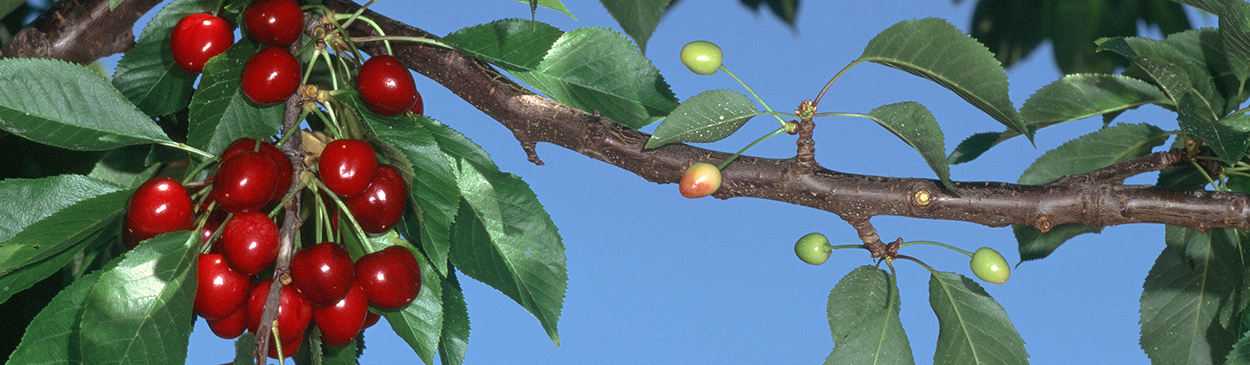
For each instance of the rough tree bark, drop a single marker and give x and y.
(1094, 199)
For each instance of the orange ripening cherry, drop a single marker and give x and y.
(700, 180)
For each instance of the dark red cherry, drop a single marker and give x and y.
(270, 76)
(289, 348)
(230, 326)
(391, 277)
(274, 22)
(294, 313)
(347, 166)
(219, 290)
(245, 182)
(342, 321)
(370, 320)
(386, 86)
(419, 107)
(197, 38)
(279, 160)
(249, 242)
(383, 202)
(322, 273)
(160, 205)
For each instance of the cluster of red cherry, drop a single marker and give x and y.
(326, 288)
(273, 74)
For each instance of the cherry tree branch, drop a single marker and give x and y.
(80, 31)
(1093, 200)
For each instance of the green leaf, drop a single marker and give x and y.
(140, 311)
(637, 18)
(26, 201)
(550, 4)
(913, 123)
(973, 146)
(513, 44)
(338, 355)
(1193, 116)
(708, 117)
(125, 167)
(1188, 299)
(787, 10)
(44, 247)
(432, 187)
(972, 327)
(598, 69)
(420, 324)
(1210, 6)
(1171, 68)
(147, 74)
(934, 49)
(1093, 151)
(1235, 36)
(220, 113)
(503, 238)
(1081, 96)
(52, 336)
(455, 337)
(243, 347)
(864, 319)
(70, 106)
(1036, 245)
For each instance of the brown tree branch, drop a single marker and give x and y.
(80, 31)
(853, 197)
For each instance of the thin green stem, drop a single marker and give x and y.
(357, 13)
(425, 40)
(378, 29)
(753, 94)
(843, 247)
(830, 83)
(939, 244)
(744, 149)
(185, 147)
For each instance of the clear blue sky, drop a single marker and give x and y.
(655, 278)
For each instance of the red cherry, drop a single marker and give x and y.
(347, 166)
(160, 205)
(391, 277)
(197, 38)
(211, 225)
(249, 242)
(341, 322)
(230, 326)
(289, 348)
(270, 76)
(294, 312)
(274, 22)
(383, 202)
(386, 85)
(419, 107)
(220, 290)
(245, 182)
(322, 273)
(279, 159)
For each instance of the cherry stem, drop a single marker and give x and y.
(185, 147)
(424, 40)
(357, 14)
(816, 101)
(744, 149)
(753, 94)
(939, 244)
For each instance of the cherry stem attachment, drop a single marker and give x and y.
(753, 94)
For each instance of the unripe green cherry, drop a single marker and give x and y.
(813, 248)
(701, 57)
(990, 266)
(700, 180)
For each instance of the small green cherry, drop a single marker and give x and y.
(813, 248)
(990, 266)
(702, 57)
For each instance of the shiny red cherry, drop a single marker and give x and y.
(274, 22)
(294, 313)
(245, 182)
(197, 38)
(391, 277)
(342, 321)
(347, 166)
(383, 202)
(219, 290)
(279, 159)
(386, 86)
(249, 242)
(322, 273)
(230, 326)
(270, 76)
(160, 205)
